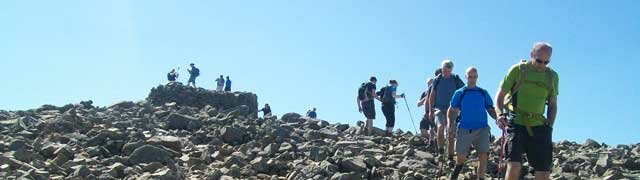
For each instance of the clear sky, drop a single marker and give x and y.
(298, 54)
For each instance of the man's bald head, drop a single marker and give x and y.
(472, 76)
(541, 54)
(541, 47)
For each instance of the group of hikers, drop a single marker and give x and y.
(194, 72)
(459, 111)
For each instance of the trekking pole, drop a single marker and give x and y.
(410, 115)
(502, 149)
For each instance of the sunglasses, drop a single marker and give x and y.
(542, 62)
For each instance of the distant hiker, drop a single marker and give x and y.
(227, 85)
(472, 104)
(427, 125)
(266, 110)
(220, 83)
(365, 100)
(520, 103)
(439, 100)
(193, 73)
(312, 113)
(387, 95)
(172, 75)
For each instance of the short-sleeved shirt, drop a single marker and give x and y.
(312, 114)
(392, 89)
(531, 97)
(266, 110)
(532, 94)
(473, 107)
(171, 76)
(444, 89)
(220, 82)
(228, 83)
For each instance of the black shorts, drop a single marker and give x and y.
(539, 147)
(389, 111)
(192, 79)
(368, 108)
(426, 124)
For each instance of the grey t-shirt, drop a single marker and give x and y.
(444, 91)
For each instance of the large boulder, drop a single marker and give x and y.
(149, 154)
(200, 97)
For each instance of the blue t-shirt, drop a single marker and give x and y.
(473, 114)
(228, 83)
(389, 92)
(444, 89)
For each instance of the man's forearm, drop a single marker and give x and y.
(551, 113)
(492, 113)
(451, 116)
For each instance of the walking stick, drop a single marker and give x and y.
(410, 115)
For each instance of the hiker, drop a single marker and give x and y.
(387, 95)
(472, 104)
(227, 85)
(520, 103)
(312, 113)
(172, 75)
(266, 110)
(442, 90)
(427, 126)
(193, 73)
(365, 100)
(220, 83)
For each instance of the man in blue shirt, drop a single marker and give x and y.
(471, 104)
(227, 86)
(312, 113)
(442, 89)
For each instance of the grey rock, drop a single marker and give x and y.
(291, 117)
(148, 154)
(353, 165)
(232, 135)
(170, 142)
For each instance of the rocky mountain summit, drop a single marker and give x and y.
(181, 132)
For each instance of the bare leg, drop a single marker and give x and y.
(513, 171)
(369, 126)
(542, 175)
(424, 133)
(450, 143)
(440, 137)
(482, 164)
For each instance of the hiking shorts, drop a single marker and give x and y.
(219, 88)
(426, 124)
(539, 147)
(192, 80)
(368, 109)
(441, 120)
(390, 114)
(479, 138)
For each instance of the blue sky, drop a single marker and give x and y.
(298, 54)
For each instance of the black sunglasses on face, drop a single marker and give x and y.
(542, 62)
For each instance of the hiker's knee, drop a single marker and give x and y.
(514, 166)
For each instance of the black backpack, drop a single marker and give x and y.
(362, 91)
(195, 72)
(386, 95)
(459, 83)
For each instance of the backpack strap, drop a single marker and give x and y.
(522, 68)
(459, 83)
(436, 82)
